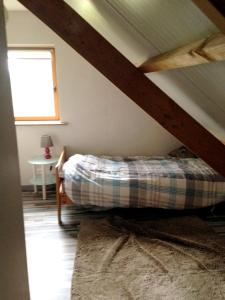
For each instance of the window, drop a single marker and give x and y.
(33, 84)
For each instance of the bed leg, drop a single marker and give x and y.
(59, 218)
(59, 210)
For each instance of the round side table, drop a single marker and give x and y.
(42, 177)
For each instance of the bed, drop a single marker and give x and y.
(154, 181)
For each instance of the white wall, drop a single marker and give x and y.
(13, 274)
(101, 119)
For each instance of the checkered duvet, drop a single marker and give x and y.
(162, 182)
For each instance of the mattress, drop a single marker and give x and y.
(162, 182)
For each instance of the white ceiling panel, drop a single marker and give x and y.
(165, 24)
(13, 5)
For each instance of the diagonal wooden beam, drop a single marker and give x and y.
(199, 52)
(69, 25)
(214, 10)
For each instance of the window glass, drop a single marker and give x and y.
(34, 91)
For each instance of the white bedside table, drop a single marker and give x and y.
(45, 177)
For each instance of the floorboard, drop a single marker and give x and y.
(51, 249)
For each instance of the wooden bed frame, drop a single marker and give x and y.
(61, 196)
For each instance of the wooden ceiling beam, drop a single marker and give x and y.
(74, 30)
(214, 10)
(200, 52)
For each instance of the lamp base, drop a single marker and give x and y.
(47, 154)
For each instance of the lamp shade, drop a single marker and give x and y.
(46, 141)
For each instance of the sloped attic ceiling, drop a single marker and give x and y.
(145, 28)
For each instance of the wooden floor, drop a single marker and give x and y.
(51, 249)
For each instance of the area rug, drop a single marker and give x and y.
(174, 258)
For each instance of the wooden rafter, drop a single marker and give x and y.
(69, 25)
(214, 10)
(200, 52)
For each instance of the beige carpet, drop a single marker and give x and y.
(176, 258)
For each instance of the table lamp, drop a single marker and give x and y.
(46, 142)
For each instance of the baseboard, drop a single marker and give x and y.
(30, 188)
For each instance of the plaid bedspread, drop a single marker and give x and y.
(162, 182)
